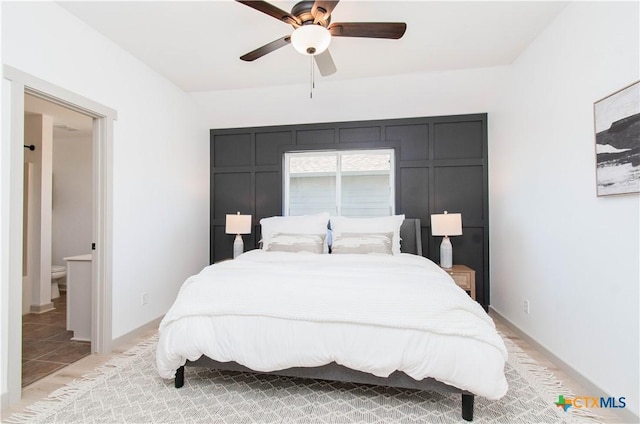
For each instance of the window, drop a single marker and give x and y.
(355, 183)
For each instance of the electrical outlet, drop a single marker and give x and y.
(144, 299)
(526, 306)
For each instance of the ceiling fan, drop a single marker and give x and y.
(313, 30)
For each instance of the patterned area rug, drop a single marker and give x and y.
(127, 389)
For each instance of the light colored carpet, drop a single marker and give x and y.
(127, 389)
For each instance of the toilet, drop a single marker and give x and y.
(57, 272)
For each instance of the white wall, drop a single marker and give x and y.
(574, 256)
(434, 94)
(72, 203)
(160, 155)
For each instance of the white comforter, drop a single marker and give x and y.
(372, 313)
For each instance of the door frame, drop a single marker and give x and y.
(15, 85)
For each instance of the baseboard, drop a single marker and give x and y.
(41, 309)
(4, 400)
(624, 414)
(135, 333)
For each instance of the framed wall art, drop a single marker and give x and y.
(617, 128)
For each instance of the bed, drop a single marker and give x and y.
(384, 319)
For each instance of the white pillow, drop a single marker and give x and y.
(303, 224)
(385, 224)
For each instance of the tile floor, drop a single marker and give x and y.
(46, 343)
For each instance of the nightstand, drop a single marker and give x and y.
(464, 277)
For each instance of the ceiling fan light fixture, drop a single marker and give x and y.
(311, 39)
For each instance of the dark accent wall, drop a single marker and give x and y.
(441, 164)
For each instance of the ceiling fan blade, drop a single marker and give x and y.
(325, 63)
(271, 10)
(267, 48)
(322, 9)
(392, 30)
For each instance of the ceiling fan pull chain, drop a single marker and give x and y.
(311, 78)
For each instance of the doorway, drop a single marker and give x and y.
(57, 228)
(14, 87)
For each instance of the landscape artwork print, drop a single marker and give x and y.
(617, 126)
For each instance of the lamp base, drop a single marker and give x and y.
(238, 246)
(446, 253)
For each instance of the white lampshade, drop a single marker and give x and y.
(446, 224)
(238, 224)
(311, 39)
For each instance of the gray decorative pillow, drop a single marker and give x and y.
(371, 225)
(362, 243)
(296, 243)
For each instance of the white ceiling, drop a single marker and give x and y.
(197, 45)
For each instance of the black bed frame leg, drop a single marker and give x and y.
(467, 407)
(180, 378)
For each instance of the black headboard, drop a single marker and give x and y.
(411, 237)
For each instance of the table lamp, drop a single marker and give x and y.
(446, 224)
(238, 224)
